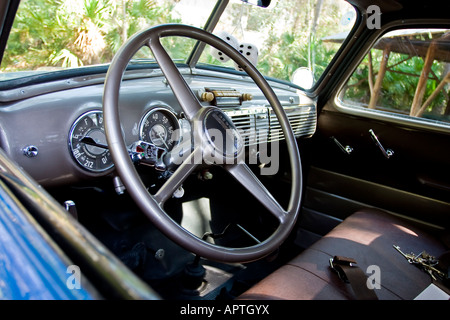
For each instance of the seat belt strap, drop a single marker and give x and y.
(349, 272)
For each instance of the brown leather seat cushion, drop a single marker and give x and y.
(368, 237)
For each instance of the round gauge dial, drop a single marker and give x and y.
(87, 142)
(160, 127)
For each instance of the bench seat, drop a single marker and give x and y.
(368, 237)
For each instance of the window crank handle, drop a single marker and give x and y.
(386, 152)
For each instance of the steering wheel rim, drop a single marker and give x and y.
(152, 205)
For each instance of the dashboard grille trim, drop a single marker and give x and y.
(260, 124)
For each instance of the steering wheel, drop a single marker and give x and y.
(202, 119)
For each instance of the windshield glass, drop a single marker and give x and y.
(49, 35)
(287, 37)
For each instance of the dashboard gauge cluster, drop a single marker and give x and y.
(87, 142)
(160, 127)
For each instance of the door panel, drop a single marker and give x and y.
(383, 139)
(412, 183)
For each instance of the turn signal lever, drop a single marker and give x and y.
(148, 154)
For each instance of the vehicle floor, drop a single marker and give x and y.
(119, 224)
(162, 263)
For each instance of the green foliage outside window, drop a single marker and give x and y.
(79, 32)
(400, 83)
(89, 32)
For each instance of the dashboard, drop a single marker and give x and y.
(55, 131)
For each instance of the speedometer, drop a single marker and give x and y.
(87, 142)
(160, 127)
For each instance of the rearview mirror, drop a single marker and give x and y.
(259, 3)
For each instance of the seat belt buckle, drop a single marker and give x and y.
(336, 264)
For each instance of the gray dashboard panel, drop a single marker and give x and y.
(44, 120)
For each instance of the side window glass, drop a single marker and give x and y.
(406, 74)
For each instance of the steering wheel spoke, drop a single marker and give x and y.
(242, 173)
(187, 99)
(178, 177)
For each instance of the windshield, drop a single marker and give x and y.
(54, 35)
(287, 37)
(49, 35)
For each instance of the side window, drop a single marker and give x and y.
(407, 75)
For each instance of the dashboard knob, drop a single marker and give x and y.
(30, 151)
(247, 97)
(207, 96)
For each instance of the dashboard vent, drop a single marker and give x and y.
(260, 124)
(302, 120)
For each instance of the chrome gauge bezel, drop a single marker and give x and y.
(87, 157)
(171, 117)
